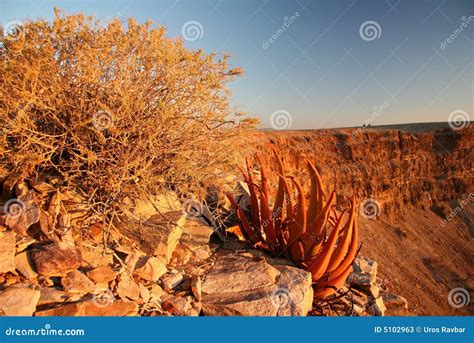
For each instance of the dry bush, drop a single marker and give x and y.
(115, 109)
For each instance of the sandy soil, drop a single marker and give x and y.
(423, 260)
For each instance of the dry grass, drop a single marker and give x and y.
(115, 109)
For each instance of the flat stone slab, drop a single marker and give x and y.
(395, 305)
(242, 284)
(92, 308)
(158, 236)
(51, 260)
(18, 301)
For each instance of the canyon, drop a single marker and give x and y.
(415, 186)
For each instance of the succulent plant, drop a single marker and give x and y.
(313, 235)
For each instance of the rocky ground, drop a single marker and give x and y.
(157, 262)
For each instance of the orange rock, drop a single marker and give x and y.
(90, 308)
(181, 306)
(127, 288)
(50, 260)
(77, 282)
(18, 301)
(7, 251)
(25, 266)
(96, 230)
(150, 269)
(102, 274)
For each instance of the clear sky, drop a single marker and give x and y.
(318, 63)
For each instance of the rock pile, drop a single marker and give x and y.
(367, 295)
(56, 259)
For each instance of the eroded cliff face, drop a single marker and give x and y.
(422, 181)
(394, 168)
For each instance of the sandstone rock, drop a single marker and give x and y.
(144, 293)
(158, 236)
(127, 288)
(193, 246)
(132, 259)
(156, 293)
(376, 307)
(77, 282)
(245, 285)
(171, 280)
(24, 243)
(196, 287)
(364, 275)
(96, 231)
(234, 273)
(150, 268)
(45, 224)
(90, 308)
(16, 301)
(294, 295)
(100, 275)
(44, 281)
(24, 265)
(51, 260)
(95, 256)
(51, 295)
(181, 306)
(395, 304)
(7, 251)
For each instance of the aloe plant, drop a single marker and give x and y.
(313, 235)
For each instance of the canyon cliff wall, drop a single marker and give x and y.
(420, 179)
(394, 167)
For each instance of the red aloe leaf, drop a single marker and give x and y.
(300, 215)
(267, 222)
(344, 240)
(320, 264)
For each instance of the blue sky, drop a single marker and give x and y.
(320, 70)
